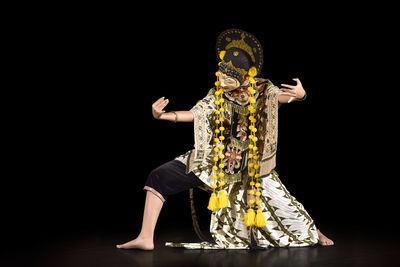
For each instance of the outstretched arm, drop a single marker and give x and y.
(174, 116)
(292, 92)
(181, 116)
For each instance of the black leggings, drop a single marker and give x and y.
(170, 178)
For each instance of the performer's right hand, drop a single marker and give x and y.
(158, 106)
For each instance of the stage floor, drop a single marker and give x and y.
(98, 249)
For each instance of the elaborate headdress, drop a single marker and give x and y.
(241, 52)
(241, 55)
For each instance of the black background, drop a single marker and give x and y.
(86, 138)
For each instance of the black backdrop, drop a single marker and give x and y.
(90, 139)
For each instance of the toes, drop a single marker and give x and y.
(325, 243)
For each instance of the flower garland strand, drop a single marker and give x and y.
(252, 218)
(216, 203)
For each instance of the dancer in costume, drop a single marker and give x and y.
(234, 157)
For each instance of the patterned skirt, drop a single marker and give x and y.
(288, 223)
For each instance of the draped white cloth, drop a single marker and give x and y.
(288, 223)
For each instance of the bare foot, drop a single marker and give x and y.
(138, 243)
(323, 240)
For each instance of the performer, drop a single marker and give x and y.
(235, 127)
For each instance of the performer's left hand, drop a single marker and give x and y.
(295, 91)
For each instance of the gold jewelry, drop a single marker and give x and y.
(176, 116)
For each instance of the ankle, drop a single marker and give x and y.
(146, 237)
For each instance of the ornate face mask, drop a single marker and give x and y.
(228, 83)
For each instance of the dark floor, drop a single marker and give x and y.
(357, 249)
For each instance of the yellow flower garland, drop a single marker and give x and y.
(221, 201)
(254, 166)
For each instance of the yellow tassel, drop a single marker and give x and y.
(260, 219)
(249, 219)
(222, 199)
(213, 203)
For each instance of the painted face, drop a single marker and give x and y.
(228, 83)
